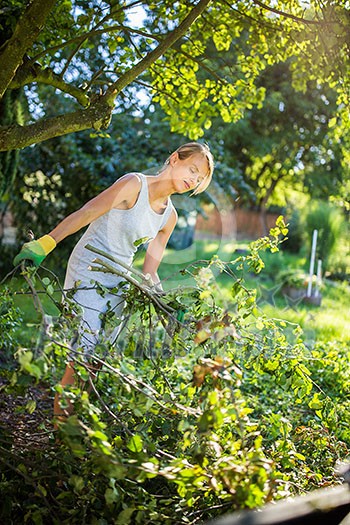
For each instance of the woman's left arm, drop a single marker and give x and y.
(156, 247)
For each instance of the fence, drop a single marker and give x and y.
(232, 224)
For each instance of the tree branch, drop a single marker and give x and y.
(25, 33)
(163, 46)
(29, 72)
(93, 32)
(96, 116)
(289, 15)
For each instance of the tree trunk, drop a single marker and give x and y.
(263, 203)
(26, 31)
(10, 111)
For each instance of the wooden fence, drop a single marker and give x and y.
(232, 224)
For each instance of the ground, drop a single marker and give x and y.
(20, 427)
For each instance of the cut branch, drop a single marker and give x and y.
(26, 31)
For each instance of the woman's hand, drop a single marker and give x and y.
(35, 251)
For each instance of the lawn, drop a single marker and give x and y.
(329, 321)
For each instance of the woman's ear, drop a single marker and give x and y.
(174, 157)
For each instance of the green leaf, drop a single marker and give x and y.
(77, 482)
(124, 518)
(111, 495)
(332, 122)
(31, 406)
(25, 358)
(143, 240)
(135, 444)
(316, 402)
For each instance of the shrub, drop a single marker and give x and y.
(329, 222)
(294, 241)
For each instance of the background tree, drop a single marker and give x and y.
(200, 62)
(288, 145)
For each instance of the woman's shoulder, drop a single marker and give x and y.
(133, 177)
(130, 183)
(124, 192)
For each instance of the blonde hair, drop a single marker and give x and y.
(192, 148)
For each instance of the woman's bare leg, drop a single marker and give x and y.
(67, 379)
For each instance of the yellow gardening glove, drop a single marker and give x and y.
(35, 251)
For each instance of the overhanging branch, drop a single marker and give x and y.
(289, 15)
(97, 116)
(30, 72)
(80, 39)
(162, 47)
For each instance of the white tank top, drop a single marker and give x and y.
(115, 232)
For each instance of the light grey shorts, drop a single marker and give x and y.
(93, 308)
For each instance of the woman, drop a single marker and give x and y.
(134, 207)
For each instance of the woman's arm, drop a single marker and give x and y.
(156, 247)
(123, 193)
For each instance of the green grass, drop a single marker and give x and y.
(30, 317)
(329, 321)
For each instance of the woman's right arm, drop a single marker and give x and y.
(123, 193)
(124, 190)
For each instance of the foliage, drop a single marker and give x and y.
(294, 242)
(197, 412)
(288, 144)
(252, 38)
(95, 54)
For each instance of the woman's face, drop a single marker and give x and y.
(187, 174)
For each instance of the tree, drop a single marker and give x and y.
(90, 52)
(93, 25)
(288, 143)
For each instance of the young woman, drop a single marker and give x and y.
(135, 207)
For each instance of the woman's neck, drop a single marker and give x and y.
(160, 188)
